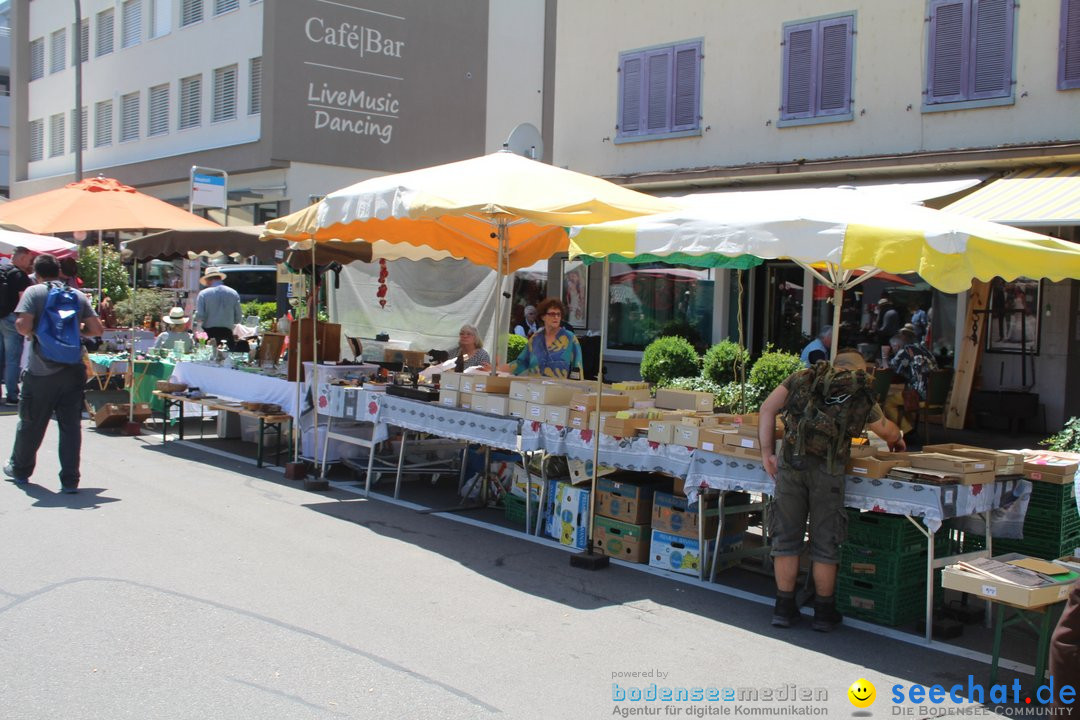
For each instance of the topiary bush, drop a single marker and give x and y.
(723, 362)
(667, 358)
(740, 398)
(772, 368)
(514, 345)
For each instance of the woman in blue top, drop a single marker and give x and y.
(551, 351)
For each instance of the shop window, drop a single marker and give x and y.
(660, 92)
(649, 299)
(970, 52)
(817, 58)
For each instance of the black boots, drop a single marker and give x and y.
(786, 612)
(826, 616)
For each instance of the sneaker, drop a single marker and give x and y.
(68, 490)
(826, 616)
(785, 613)
(11, 476)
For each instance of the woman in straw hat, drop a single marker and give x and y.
(175, 331)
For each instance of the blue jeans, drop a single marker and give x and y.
(11, 347)
(59, 395)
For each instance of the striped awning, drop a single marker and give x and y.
(1031, 197)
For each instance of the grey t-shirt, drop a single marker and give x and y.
(33, 302)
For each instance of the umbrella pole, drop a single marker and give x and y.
(589, 560)
(838, 301)
(501, 231)
(131, 428)
(100, 263)
(316, 483)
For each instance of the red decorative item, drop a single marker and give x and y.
(381, 292)
(372, 408)
(586, 435)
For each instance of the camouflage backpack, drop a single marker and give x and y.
(825, 408)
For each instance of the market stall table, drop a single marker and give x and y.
(145, 374)
(267, 420)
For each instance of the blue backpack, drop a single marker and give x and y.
(57, 332)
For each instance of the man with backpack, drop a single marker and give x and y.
(823, 408)
(14, 279)
(55, 318)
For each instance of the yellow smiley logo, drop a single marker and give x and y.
(862, 693)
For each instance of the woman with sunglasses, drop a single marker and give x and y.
(552, 351)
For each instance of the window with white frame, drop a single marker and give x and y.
(191, 12)
(78, 122)
(84, 43)
(224, 101)
(37, 59)
(970, 51)
(255, 86)
(105, 24)
(651, 299)
(37, 140)
(660, 91)
(160, 17)
(130, 23)
(56, 135)
(224, 6)
(129, 117)
(103, 122)
(157, 121)
(1069, 55)
(190, 102)
(817, 58)
(58, 50)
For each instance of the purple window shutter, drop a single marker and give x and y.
(834, 86)
(658, 69)
(991, 49)
(630, 93)
(687, 101)
(799, 71)
(1069, 56)
(946, 74)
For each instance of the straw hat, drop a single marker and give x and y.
(212, 273)
(175, 317)
(851, 361)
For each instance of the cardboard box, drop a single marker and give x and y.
(864, 450)
(568, 521)
(662, 431)
(581, 470)
(492, 384)
(465, 383)
(712, 440)
(116, 414)
(623, 497)
(521, 479)
(686, 435)
(519, 389)
(684, 400)
(741, 452)
(673, 514)
(550, 393)
(587, 402)
(465, 400)
(675, 553)
(743, 441)
(478, 402)
(1004, 463)
(1051, 467)
(953, 578)
(749, 419)
(449, 398)
(623, 427)
(952, 463)
(621, 540)
(578, 420)
(557, 415)
(701, 420)
(450, 381)
(517, 408)
(535, 411)
(937, 476)
(877, 465)
(496, 404)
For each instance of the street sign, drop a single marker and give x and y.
(208, 188)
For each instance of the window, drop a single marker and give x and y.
(104, 32)
(157, 122)
(224, 6)
(191, 12)
(255, 88)
(1069, 62)
(650, 297)
(190, 101)
(129, 117)
(37, 140)
(224, 105)
(817, 69)
(659, 91)
(970, 51)
(103, 123)
(130, 23)
(83, 50)
(160, 17)
(58, 50)
(37, 59)
(56, 135)
(78, 122)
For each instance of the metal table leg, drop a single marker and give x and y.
(400, 463)
(262, 432)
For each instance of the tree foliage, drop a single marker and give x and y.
(115, 278)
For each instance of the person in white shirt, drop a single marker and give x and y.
(175, 331)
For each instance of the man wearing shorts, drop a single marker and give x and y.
(823, 407)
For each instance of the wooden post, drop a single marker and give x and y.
(968, 355)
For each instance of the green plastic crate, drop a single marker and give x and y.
(514, 509)
(881, 566)
(884, 604)
(892, 533)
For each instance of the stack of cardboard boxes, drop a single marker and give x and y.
(677, 528)
(624, 508)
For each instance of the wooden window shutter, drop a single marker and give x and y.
(1069, 60)
(799, 72)
(834, 84)
(631, 77)
(991, 51)
(658, 70)
(947, 73)
(687, 101)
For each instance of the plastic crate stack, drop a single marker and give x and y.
(882, 573)
(1051, 526)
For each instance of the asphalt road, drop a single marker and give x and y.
(181, 585)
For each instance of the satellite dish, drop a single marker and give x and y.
(525, 140)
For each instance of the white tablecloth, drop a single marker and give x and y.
(238, 385)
